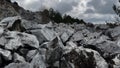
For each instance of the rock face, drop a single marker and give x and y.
(25, 43)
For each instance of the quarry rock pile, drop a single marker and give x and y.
(25, 42)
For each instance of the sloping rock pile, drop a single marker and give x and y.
(24, 44)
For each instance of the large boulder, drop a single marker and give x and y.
(14, 40)
(81, 57)
(65, 36)
(107, 49)
(44, 34)
(13, 24)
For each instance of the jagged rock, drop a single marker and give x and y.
(92, 37)
(18, 65)
(18, 58)
(38, 62)
(53, 50)
(99, 39)
(3, 41)
(30, 55)
(65, 32)
(77, 36)
(44, 35)
(80, 35)
(105, 48)
(116, 60)
(17, 26)
(30, 40)
(17, 39)
(51, 44)
(85, 36)
(55, 55)
(113, 33)
(66, 35)
(41, 26)
(9, 21)
(85, 58)
(13, 23)
(13, 41)
(17, 23)
(61, 28)
(1, 31)
(6, 54)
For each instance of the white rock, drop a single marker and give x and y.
(29, 39)
(1, 31)
(77, 36)
(38, 62)
(101, 63)
(18, 58)
(17, 39)
(30, 55)
(3, 41)
(13, 41)
(8, 22)
(6, 54)
(71, 44)
(44, 34)
(64, 37)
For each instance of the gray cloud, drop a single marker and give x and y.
(89, 11)
(64, 7)
(102, 6)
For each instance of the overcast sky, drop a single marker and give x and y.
(96, 11)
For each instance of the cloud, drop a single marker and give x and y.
(102, 6)
(94, 10)
(62, 6)
(89, 10)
